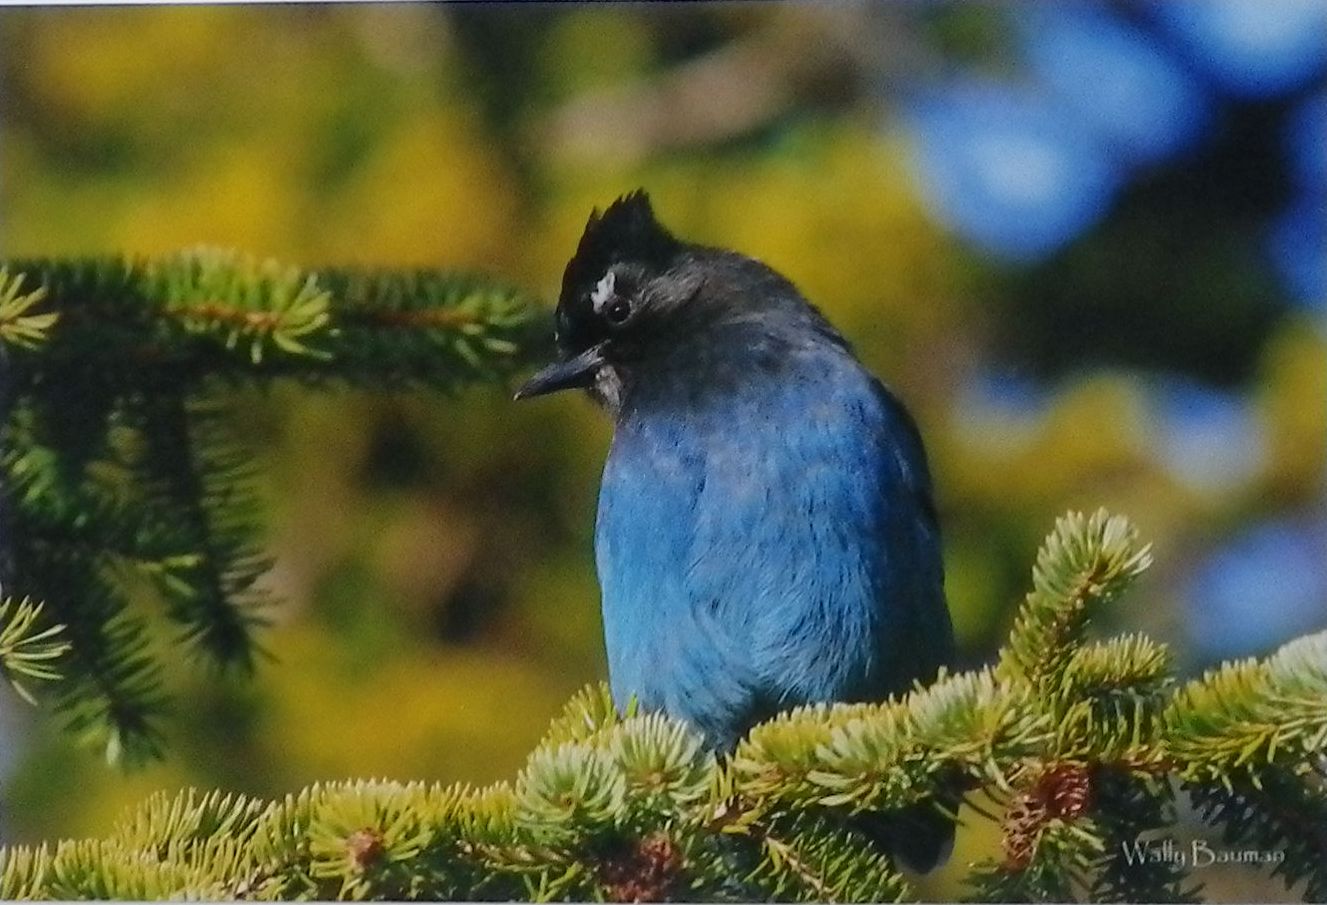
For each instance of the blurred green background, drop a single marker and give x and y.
(1128, 314)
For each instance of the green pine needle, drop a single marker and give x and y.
(262, 304)
(1084, 563)
(19, 325)
(28, 651)
(1245, 715)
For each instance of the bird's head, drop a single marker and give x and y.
(637, 301)
(630, 290)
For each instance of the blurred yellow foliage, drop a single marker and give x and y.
(1294, 401)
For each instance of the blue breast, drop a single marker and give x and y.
(765, 539)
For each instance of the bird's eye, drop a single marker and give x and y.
(618, 311)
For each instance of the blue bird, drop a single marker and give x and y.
(766, 535)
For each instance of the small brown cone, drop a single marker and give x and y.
(364, 848)
(646, 872)
(1023, 821)
(1067, 789)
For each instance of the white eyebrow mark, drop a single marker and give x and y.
(603, 291)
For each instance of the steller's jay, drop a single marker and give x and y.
(766, 535)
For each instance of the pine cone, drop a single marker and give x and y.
(364, 848)
(646, 872)
(1062, 791)
(1067, 790)
(1023, 821)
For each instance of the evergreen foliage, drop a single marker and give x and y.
(28, 651)
(1078, 748)
(122, 486)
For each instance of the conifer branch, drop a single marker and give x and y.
(206, 488)
(1247, 739)
(814, 859)
(260, 305)
(28, 651)
(1249, 714)
(628, 808)
(1084, 564)
(212, 313)
(112, 698)
(20, 325)
(1284, 813)
(1131, 809)
(114, 461)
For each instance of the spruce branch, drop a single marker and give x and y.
(114, 460)
(27, 650)
(1250, 714)
(570, 789)
(1131, 809)
(262, 305)
(97, 869)
(622, 807)
(24, 872)
(415, 328)
(111, 693)
(1247, 739)
(812, 858)
(173, 825)
(1084, 563)
(1110, 701)
(1132, 664)
(1284, 813)
(663, 762)
(205, 314)
(20, 325)
(113, 699)
(204, 479)
(590, 710)
(892, 755)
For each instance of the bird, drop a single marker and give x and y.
(766, 535)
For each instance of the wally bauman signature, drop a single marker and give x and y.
(1198, 853)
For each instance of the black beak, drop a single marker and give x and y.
(564, 375)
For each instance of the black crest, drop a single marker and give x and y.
(627, 231)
